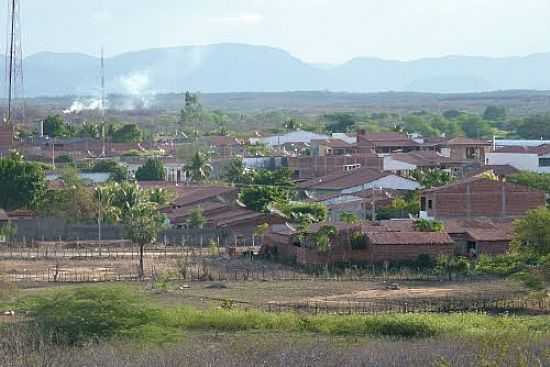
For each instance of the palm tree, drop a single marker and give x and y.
(199, 169)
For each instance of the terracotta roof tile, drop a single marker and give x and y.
(343, 180)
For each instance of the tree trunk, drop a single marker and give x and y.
(141, 270)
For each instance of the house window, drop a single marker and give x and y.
(423, 204)
(430, 204)
(544, 162)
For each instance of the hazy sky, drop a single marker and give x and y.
(320, 31)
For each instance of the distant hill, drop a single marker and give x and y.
(225, 68)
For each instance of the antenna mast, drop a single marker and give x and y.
(102, 103)
(14, 63)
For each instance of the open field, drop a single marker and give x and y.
(154, 330)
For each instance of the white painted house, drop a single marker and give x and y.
(525, 158)
(359, 180)
(293, 137)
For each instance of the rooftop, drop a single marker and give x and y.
(468, 141)
(343, 180)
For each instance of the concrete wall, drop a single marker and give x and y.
(524, 162)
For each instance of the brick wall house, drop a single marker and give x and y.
(479, 197)
(375, 244)
(317, 166)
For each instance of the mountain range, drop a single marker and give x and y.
(223, 68)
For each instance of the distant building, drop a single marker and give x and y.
(298, 136)
(332, 146)
(389, 142)
(224, 146)
(317, 166)
(479, 197)
(466, 149)
(525, 158)
(358, 180)
(373, 243)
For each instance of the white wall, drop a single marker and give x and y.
(298, 136)
(389, 182)
(524, 162)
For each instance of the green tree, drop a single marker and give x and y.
(452, 265)
(90, 130)
(75, 202)
(22, 184)
(323, 237)
(236, 173)
(128, 134)
(494, 113)
(8, 231)
(266, 189)
(533, 180)
(532, 233)
(55, 127)
(160, 196)
(535, 127)
(196, 219)
(199, 169)
(292, 124)
(474, 127)
(152, 170)
(339, 122)
(349, 218)
(143, 223)
(432, 177)
(425, 225)
(118, 172)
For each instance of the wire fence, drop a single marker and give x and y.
(503, 304)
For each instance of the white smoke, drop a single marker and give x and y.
(138, 86)
(84, 105)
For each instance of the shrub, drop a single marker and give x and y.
(89, 314)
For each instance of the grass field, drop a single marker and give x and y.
(143, 328)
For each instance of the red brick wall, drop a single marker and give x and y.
(308, 167)
(486, 199)
(373, 254)
(493, 248)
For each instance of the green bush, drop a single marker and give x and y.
(89, 314)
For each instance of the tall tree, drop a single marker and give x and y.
(199, 169)
(54, 127)
(236, 173)
(532, 233)
(143, 224)
(152, 170)
(22, 184)
(128, 134)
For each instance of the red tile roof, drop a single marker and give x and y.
(343, 180)
(489, 235)
(468, 141)
(421, 158)
(333, 143)
(543, 149)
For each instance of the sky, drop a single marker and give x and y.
(316, 31)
